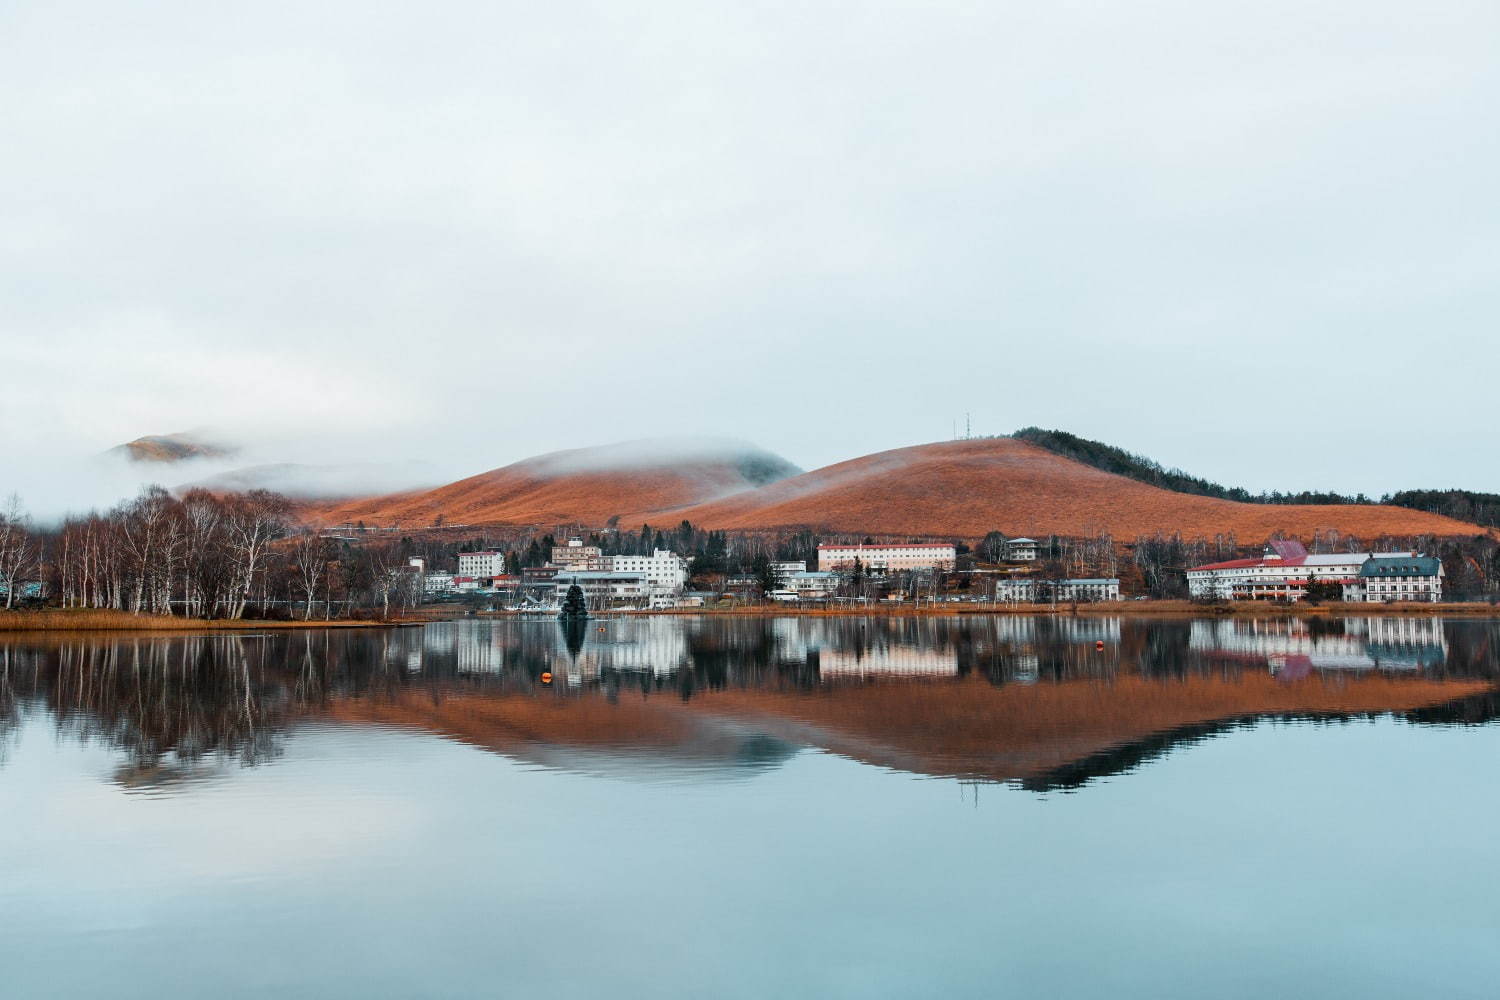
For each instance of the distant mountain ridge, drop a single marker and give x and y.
(965, 489)
(951, 489)
(167, 448)
(1464, 505)
(626, 483)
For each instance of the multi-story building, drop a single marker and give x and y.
(1020, 549)
(811, 586)
(604, 588)
(665, 570)
(1398, 578)
(1030, 589)
(576, 555)
(1283, 572)
(781, 570)
(888, 558)
(480, 564)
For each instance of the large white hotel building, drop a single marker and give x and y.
(888, 558)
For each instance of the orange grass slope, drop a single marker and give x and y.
(964, 489)
(634, 481)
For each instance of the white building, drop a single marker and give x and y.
(477, 564)
(782, 570)
(665, 570)
(1030, 590)
(605, 588)
(888, 558)
(1398, 578)
(439, 583)
(811, 586)
(1020, 549)
(1285, 569)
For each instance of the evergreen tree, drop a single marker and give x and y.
(573, 604)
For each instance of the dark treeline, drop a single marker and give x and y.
(1463, 505)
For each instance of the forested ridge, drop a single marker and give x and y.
(1464, 505)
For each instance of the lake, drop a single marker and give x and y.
(755, 807)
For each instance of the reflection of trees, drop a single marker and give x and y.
(170, 703)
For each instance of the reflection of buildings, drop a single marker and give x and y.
(844, 648)
(1338, 644)
(632, 645)
(888, 660)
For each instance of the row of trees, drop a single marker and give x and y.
(202, 555)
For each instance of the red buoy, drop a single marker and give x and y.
(546, 678)
(1099, 645)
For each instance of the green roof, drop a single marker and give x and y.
(1383, 566)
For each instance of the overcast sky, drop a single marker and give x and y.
(1257, 240)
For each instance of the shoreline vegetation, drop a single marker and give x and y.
(96, 620)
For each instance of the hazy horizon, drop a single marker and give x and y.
(1258, 242)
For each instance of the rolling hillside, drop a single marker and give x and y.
(964, 489)
(170, 448)
(635, 481)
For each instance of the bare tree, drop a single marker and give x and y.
(18, 548)
(253, 521)
(311, 555)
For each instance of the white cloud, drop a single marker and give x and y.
(449, 233)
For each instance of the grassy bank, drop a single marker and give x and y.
(92, 620)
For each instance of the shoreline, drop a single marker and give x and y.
(85, 620)
(1134, 609)
(93, 620)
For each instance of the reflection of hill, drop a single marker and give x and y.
(632, 736)
(971, 729)
(663, 698)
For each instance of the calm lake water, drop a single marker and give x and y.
(973, 807)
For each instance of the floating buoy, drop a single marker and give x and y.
(1099, 645)
(546, 678)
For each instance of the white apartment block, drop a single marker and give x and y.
(1020, 549)
(664, 570)
(811, 586)
(1030, 590)
(782, 570)
(481, 564)
(888, 558)
(602, 589)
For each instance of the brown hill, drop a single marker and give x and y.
(170, 448)
(963, 489)
(635, 481)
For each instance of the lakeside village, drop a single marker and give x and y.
(911, 572)
(246, 556)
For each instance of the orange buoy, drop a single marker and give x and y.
(546, 678)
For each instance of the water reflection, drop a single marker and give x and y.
(1031, 701)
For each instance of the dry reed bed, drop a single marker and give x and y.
(93, 620)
